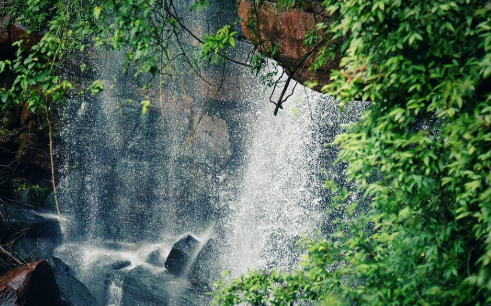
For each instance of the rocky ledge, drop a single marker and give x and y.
(266, 23)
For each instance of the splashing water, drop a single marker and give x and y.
(250, 180)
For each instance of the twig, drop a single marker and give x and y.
(4, 251)
(293, 72)
(280, 99)
(55, 190)
(202, 42)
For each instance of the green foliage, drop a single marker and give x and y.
(37, 80)
(33, 14)
(260, 62)
(421, 153)
(146, 29)
(294, 3)
(311, 38)
(325, 56)
(200, 4)
(287, 3)
(96, 87)
(213, 44)
(145, 105)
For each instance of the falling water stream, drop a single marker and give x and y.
(133, 183)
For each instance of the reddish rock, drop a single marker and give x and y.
(19, 32)
(33, 121)
(30, 285)
(15, 32)
(267, 22)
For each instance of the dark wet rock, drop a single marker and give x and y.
(30, 285)
(120, 264)
(113, 230)
(49, 202)
(31, 249)
(33, 222)
(24, 247)
(142, 287)
(32, 196)
(156, 258)
(212, 141)
(206, 267)
(5, 43)
(280, 250)
(34, 150)
(74, 291)
(58, 266)
(93, 278)
(181, 255)
(12, 33)
(19, 32)
(8, 118)
(113, 245)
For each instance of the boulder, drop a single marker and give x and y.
(181, 255)
(206, 268)
(29, 285)
(143, 287)
(32, 196)
(72, 291)
(58, 266)
(34, 222)
(120, 264)
(95, 271)
(34, 248)
(49, 202)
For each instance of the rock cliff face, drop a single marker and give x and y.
(13, 33)
(267, 24)
(23, 136)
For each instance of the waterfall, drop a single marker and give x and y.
(278, 189)
(133, 183)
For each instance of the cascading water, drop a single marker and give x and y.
(280, 193)
(135, 182)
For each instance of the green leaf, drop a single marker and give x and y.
(98, 11)
(145, 104)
